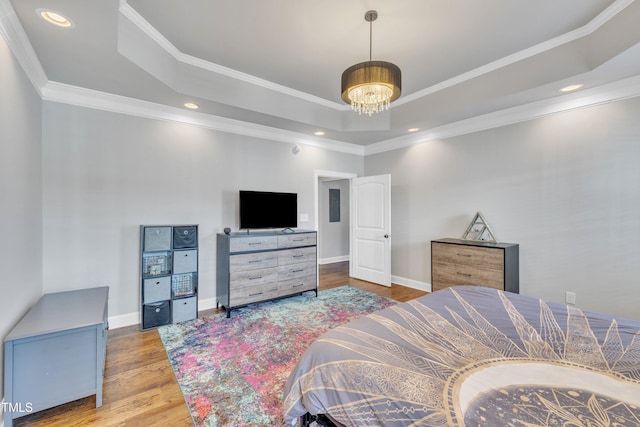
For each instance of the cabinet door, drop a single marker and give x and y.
(185, 261)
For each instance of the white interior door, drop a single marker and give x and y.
(371, 229)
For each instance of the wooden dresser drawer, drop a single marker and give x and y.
(250, 294)
(296, 270)
(298, 284)
(469, 255)
(252, 261)
(241, 279)
(296, 240)
(295, 256)
(449, 274)
(253, 243)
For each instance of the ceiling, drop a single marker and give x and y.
(277, 64)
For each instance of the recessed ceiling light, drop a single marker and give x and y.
(191, 105)
(56, 18)
(571, 87)
(413, 129)
(318, 133)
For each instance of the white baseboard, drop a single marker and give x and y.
(123, 320)
(332, 260)
(410, 283)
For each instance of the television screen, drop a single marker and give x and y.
(262, 209)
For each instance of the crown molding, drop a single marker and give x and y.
(18, 41)
(612, 92)
(597, 22)
(88, 98)
(12, 31)
(132, 15)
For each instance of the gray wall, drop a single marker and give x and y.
(20, 195)
(105, 174)
(565, 187)
(333, 236)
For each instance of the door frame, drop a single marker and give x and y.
(321, 174)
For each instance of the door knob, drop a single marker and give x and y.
(386, 236)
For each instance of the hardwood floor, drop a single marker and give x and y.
(140, 388)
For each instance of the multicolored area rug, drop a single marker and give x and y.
(232, 371)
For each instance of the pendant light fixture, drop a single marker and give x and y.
(372, 85)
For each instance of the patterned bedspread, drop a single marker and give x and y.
(472, 356)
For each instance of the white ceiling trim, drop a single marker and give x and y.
(88, 98)
(576, 34)
(13, 33)
(617, 91)
(132, 15)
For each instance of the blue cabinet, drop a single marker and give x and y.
(56, 353)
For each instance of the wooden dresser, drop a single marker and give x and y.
(261, 266)
(464, 262)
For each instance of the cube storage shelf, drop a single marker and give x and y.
(168, 274)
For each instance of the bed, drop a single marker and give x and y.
(471, 356)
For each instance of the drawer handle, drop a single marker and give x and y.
(255, 277)
(298, 256)
(254, 243)
(466, 255)
(254, 295)
(158, 282)
(298, 270)
(297, 286)
(255, 261)
(463, 274)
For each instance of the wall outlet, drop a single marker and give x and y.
(570, 297)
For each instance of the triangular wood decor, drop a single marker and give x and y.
(479, 230)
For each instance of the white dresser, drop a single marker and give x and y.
(260, 266)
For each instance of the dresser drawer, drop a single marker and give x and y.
(296, 270)
(449, 274)
(241, 279)
(468, 255)
(298, 284)
(295, 256)
(295, 240)
(252, 261)
(250, 294)
(253, 243)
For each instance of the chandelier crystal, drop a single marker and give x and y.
(371, 86)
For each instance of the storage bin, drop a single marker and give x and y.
(184, 309)
(157, 238)
(156, 314)
(185, 261)
(185, 237)
(156, 289)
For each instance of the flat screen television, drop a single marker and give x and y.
(264, 209)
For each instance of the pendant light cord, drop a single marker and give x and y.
(370, 38)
